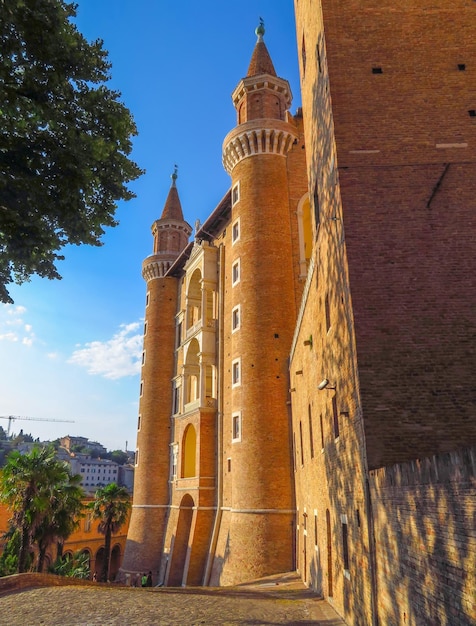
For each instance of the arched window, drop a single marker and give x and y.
(189, 452)
(194, 299)
(192, 372)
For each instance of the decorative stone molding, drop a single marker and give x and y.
(257, 137)
(155, 267)
(264, 81)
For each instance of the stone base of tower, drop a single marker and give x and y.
(253, 545)
(144, 543)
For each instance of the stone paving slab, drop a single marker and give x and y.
(287, 603)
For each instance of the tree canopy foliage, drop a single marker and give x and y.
(44, 498)
(65, 138)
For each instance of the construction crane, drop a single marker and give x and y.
(12, 418)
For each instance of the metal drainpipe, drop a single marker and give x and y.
(219, 421)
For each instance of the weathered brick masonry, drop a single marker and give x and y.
(388, 106)
(424, 514)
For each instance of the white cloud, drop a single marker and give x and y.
(115, 358)
(9, 337)
(15, 309)
(12, 326)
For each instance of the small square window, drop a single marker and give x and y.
(235, 319)
(235, 277)
(235, 373)
(235, 194)
(235, 231)
(236, 427)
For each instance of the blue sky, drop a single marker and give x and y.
(70, 349)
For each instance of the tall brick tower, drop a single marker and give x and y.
(256, 534)
(151, 491)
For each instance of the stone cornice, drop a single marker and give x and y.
(264, 136)
(156, 266)
(263, 81)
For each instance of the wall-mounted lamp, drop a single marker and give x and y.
(324, 384)
(308, 342)
(292, 389)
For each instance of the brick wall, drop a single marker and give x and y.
(424, 513)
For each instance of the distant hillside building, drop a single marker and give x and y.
(69, 442)
(307, 391)
(95, 473)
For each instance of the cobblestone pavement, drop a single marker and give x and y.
(286, 602)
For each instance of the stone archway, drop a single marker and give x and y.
(178, 566)
(115, 562)
(99, 561)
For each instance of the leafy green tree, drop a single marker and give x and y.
(118, 456)
(61, 518)
(76, 566)
(65, 138)
(29, 483)
(9, 557)
(111, 506)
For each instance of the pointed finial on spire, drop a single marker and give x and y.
(260, 29)
(174, 176)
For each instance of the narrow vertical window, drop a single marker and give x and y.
(335, 417)
(138, 422)
(236, 373)
(235, 272)
(174, 459)
(178, 336)
(145, 328)
(345, 543)
(303, 56)
(317, 208)
(136, 460)
(315, 527)
(235, 231)
(311, 437)
(235, 319)
(141, 389)
(176, 407)
(147, 299)
(300, 441)
(294, 451)
(143, 357)
(327, 310)
(235, 194)
(236, 427)
(322, 431)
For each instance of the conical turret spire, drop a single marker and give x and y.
(260, 61)
(173, 208)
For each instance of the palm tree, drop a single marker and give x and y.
(111, 506)
(29, 484)
(62, 517)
